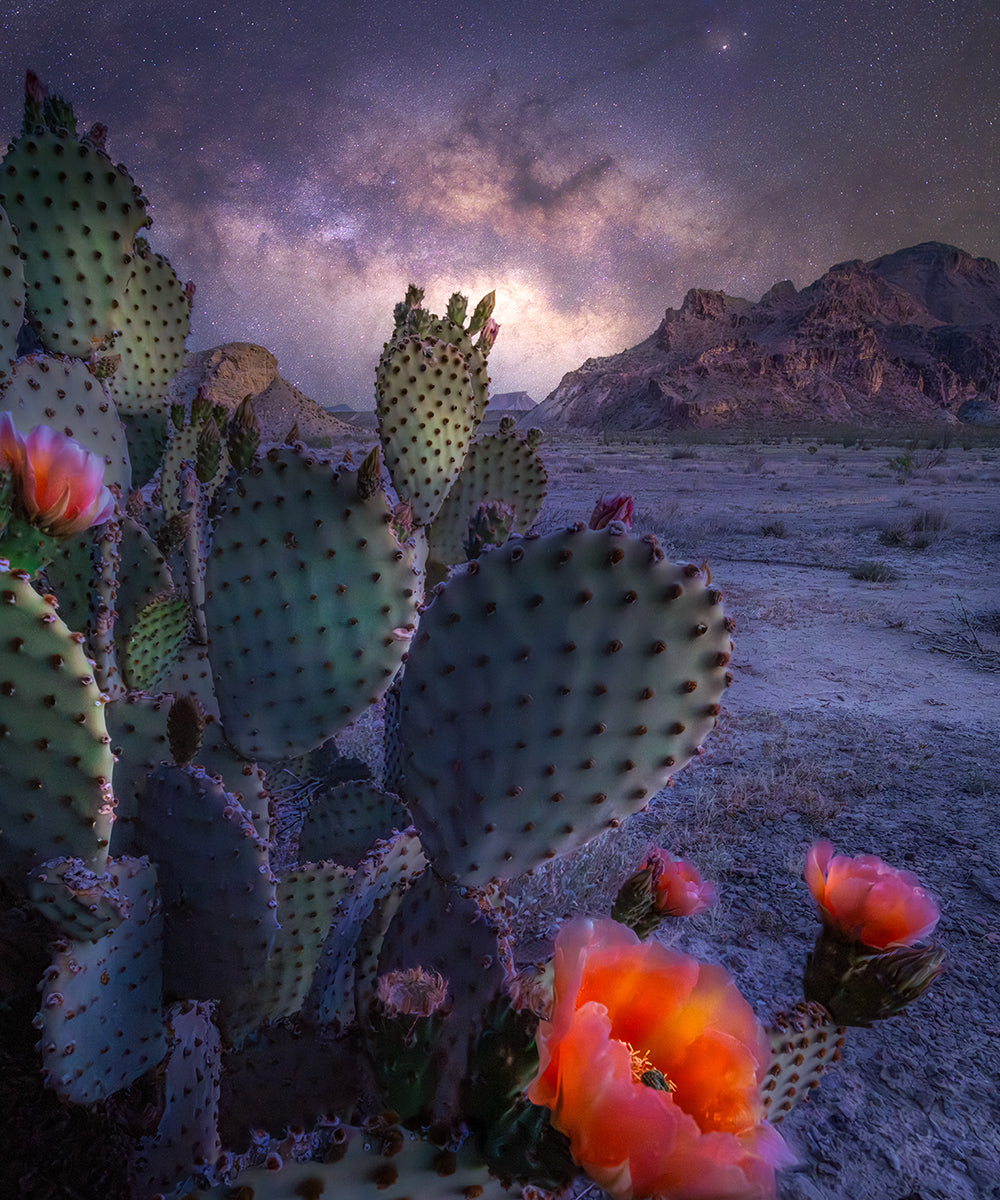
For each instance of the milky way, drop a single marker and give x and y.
(591, 161)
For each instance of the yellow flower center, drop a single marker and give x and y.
(645, 1073)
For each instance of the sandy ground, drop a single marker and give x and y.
(862, 712)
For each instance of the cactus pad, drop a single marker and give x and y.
(427, 415)
(805, 1042)
(76, 216)
(307, 597)
(55, 754)
(552, 689)
(100, 1020)
(11, 294)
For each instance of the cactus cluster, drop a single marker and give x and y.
(320, 995)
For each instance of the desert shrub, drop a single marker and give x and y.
(897, 534)
(684, 452)
(775, 529)
(874, 571)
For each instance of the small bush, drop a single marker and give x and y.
(684, 452)
(775, 529)
(897, 534)
(874, 571)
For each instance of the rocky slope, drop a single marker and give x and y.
(912, 336)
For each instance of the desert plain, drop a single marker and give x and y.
(864, 579)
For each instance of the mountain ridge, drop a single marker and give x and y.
(910, 336)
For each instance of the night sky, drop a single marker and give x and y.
(592, 161)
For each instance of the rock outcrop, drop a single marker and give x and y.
(228, 373)
(909, 337)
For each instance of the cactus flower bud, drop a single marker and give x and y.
(864, 900)
(662, 887)
(488, 337)
(612, 508)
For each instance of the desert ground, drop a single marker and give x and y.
(865, 585)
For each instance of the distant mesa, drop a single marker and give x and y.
(910, 337)
(510, 402)
(228, 373)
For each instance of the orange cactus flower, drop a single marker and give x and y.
(58, 483)
(678, 888)
(864, 900)
(650, 1065)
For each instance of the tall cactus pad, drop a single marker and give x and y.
(218, 893)
(550, 691)
(55, 753)
(100, 1020)
(45, 389)
(11, 294)
(426, 409)
(346, 819)
(155, 640)
(498, 467)
(187, 1137)
(155, 320)
(308, 595)
(76, 215)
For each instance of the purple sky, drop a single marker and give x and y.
(591, 161)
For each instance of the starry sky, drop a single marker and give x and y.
(306, 159)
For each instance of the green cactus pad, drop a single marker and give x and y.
(376, 1159)
(101, 1020)
(426, 409)
(44, 389)
(80, 904)
(308, 901)
(218, 892)
(155, 319)
(498, 467)
(187, 1137)
(348, 964)
(308, 599)
(55, 753)
(345, 820)
(552, 689)
(154, 641)
(11, 294)
(76, 215)
(805, 1042)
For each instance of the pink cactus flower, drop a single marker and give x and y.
(678, 888)
(864, 900)
(651, 1065)
(58, 483)
(612, 508)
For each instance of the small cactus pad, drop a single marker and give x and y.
(805, 1042)
(308, 597)
(81, 905)
(101, 1019)
(551, 690)
(11, 294)
(218, 893)
(155, 319)
(76, 216)
(426, 409)
(187, 1137)
(500, 467)
(154, 641)
(55, 754)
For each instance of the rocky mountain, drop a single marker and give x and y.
(513, 402)
(228, 373)
(912, 336)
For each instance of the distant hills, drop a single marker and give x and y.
(912, 336)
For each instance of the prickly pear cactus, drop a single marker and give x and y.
(805, 1043)
(551, 690)
(309, 598)
(56, 766)
(76, 214)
